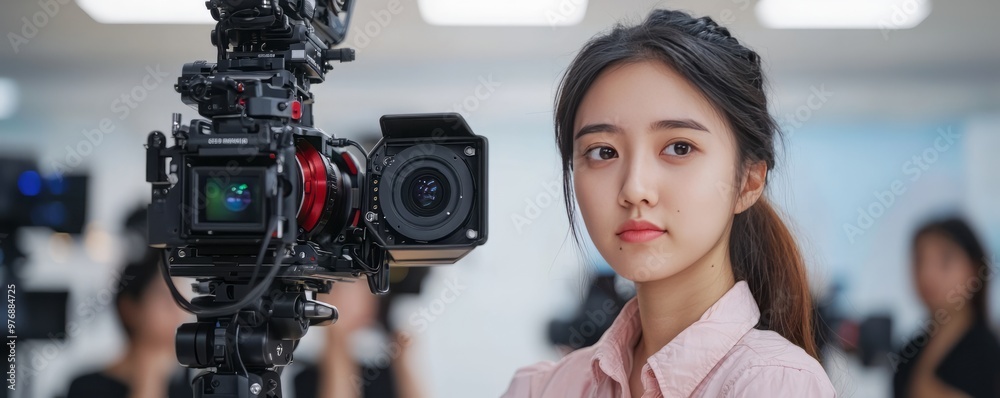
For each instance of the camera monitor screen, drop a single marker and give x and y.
(229, 199)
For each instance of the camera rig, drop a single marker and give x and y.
(264, 209)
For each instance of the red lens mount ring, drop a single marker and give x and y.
(314, 185)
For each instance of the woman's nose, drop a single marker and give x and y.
(639, 184)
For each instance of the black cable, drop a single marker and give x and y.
(263, 249)
(364, 155)
(236, 344)
(341, 142)
(219, 36)
(357, 259)
(342, 26)
(252, 296)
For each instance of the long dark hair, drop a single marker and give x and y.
(762, 250)
(958, 231)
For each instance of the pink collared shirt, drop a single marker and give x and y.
(720, 355)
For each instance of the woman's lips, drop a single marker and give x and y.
(640, 235)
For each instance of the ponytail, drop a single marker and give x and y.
(765, 255)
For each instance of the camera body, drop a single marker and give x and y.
(421, 197)
(257, 159)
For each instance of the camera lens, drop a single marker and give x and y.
(426, 191)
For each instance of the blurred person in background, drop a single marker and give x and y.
(955, 354)
(363, 356)
(606, 294)
(666, 143)
(148, 368)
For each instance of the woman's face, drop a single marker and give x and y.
(648, 146)
(944, 272)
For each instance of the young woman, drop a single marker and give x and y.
(666, 142)
(956, 355)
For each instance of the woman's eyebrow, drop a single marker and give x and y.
(677, 124)
(597, 128)
(667, 124)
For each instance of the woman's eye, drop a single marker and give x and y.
(678, 149)
(601, 153)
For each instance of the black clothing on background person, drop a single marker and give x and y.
(99, 384)
(376, 382)
(972, 366)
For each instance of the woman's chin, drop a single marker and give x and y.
(649, 273)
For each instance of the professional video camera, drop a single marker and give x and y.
(29, 198)
(257, 184)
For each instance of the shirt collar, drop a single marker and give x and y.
(681, 365)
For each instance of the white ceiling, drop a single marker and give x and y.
(960, 34)
(947, 66)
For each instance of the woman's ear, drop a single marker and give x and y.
(752, 186)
